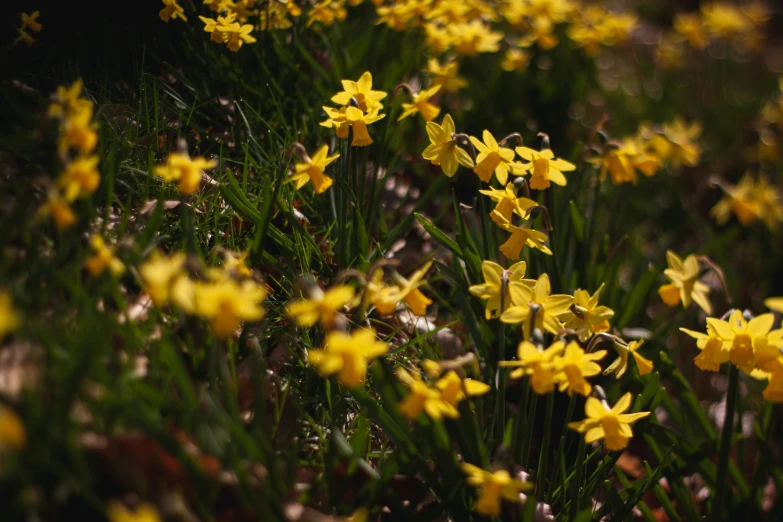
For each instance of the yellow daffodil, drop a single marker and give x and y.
(117, 512)
(677, 143)
(172, 10)
(685, 285)
(234, 264)
(493, 488)
(347, 355)
(613, 425)
(472, 38)
(586, 316)
(515, 60)
(386, 298)
(690, 27)
(446, 75)
(228, 303)
(159, 274)
(620, 365)
(538, 364)
(443, 149)
(321, 306)
(520, 236)
(326, 12)
(216, 28)
(549, 307)
(544, 167)
(540, 32)
(58, 208)
(9, 318)
(492, 286)
(714, 351)
(492, 158)
(68, 102)
(312, 169)
(453, 388)
(80, 177)
(29, 21)
(750, 200)
(13, 435)
(574, 366)
(437, 38)
(77, 131)
(753, 343)
(188, 171)
(423, 398)
(24, 37)
(359, 121)
(774, 390)
(360, 91)
(103, 258)
(507, 204)
(421, 103)
(336, 118)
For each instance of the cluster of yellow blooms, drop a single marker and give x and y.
(360, 106)
(77, 139)
(347, 354)
(29, 21)
(224, 296)
(465, 28)
(649, 150)
(741, 26)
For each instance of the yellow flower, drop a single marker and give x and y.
(677, 144)
(347, 355)
(589, 318)
(750, 200)
(9, 318)
(385, 298)
(172, 10)
(24, 37)
(443, 149)
(539, 364)
(544, 167)
(507, 204)
(438, 38)
(217, 28)
(359, 121)
(77, 131)
(423, 398)
(238, 35)
(326, 12)
(446, 75)
(68, 102)
(541, 32)
(103, 258)
(227, 303)
(160, 274)
(493, 487)
(492, 158)
(321, 306)
(774, 390)
(490, 290)
(58, 208)
(714, 351)
(453, 388)
(574, 366)
(12, 433)
(515, 60)
(117, 512)
(620, 365)
(473, 37)
(421, 104)
(751, 342)
(450, 12)
(234, 264)
(549, 307)
(180, 167)
(520, 237)
(312, 169)
(29, 21)
(361, 91)
(685, 285)
(80, 177)
(336, 118)
(610, 424)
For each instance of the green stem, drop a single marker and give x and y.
(521, 413)
(576, 482)
(531, 415)
(725, 441)
(543, 458)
